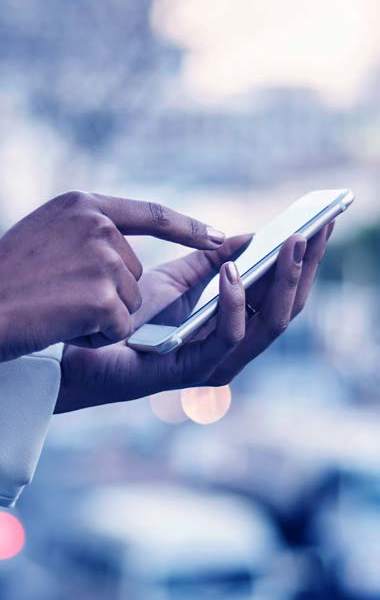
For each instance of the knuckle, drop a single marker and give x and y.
(277, 328)
(107, 308)
(106, 311)
(196, 229)
(101, 227)
(104, 262)
(158, 215)
(92, 269)
(111, 261)
(95, 268)
(92, 223)
(71, 198)
(292, 279)
(237, 303)
(106, 304)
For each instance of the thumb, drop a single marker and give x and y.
(134, 217)
(198, 268)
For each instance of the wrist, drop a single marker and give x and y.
(67, 399)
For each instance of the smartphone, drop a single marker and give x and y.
(306, 216)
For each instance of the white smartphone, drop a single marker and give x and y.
(305, 216)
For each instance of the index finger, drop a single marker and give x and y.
(135, 217)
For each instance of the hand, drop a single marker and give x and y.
(68, 274)
(117, 373)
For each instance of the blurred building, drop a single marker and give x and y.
(280, 132)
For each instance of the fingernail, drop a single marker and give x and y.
(299, 251)
(232, 273)
(215, 236)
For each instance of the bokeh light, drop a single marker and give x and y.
(12, 536)
(206, 405)
(167, 407)
(247, 44)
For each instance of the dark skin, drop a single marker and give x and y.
(169, 292)
(67, 273)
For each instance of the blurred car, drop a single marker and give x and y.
(348, 532)
(168, 543)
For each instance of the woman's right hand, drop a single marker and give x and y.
(68, 274)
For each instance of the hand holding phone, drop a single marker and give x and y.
(118, 373)
(306, 217)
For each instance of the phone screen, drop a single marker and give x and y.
(275, 233)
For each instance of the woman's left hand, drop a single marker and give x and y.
(115, 373)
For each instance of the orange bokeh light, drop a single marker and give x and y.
(12, 536)
(206, 405)
(167, 407)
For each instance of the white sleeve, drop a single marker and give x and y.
(29, 388)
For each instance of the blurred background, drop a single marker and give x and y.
(228, 111)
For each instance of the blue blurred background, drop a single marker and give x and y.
(228, 111)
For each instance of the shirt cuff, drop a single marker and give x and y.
(29, 388)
